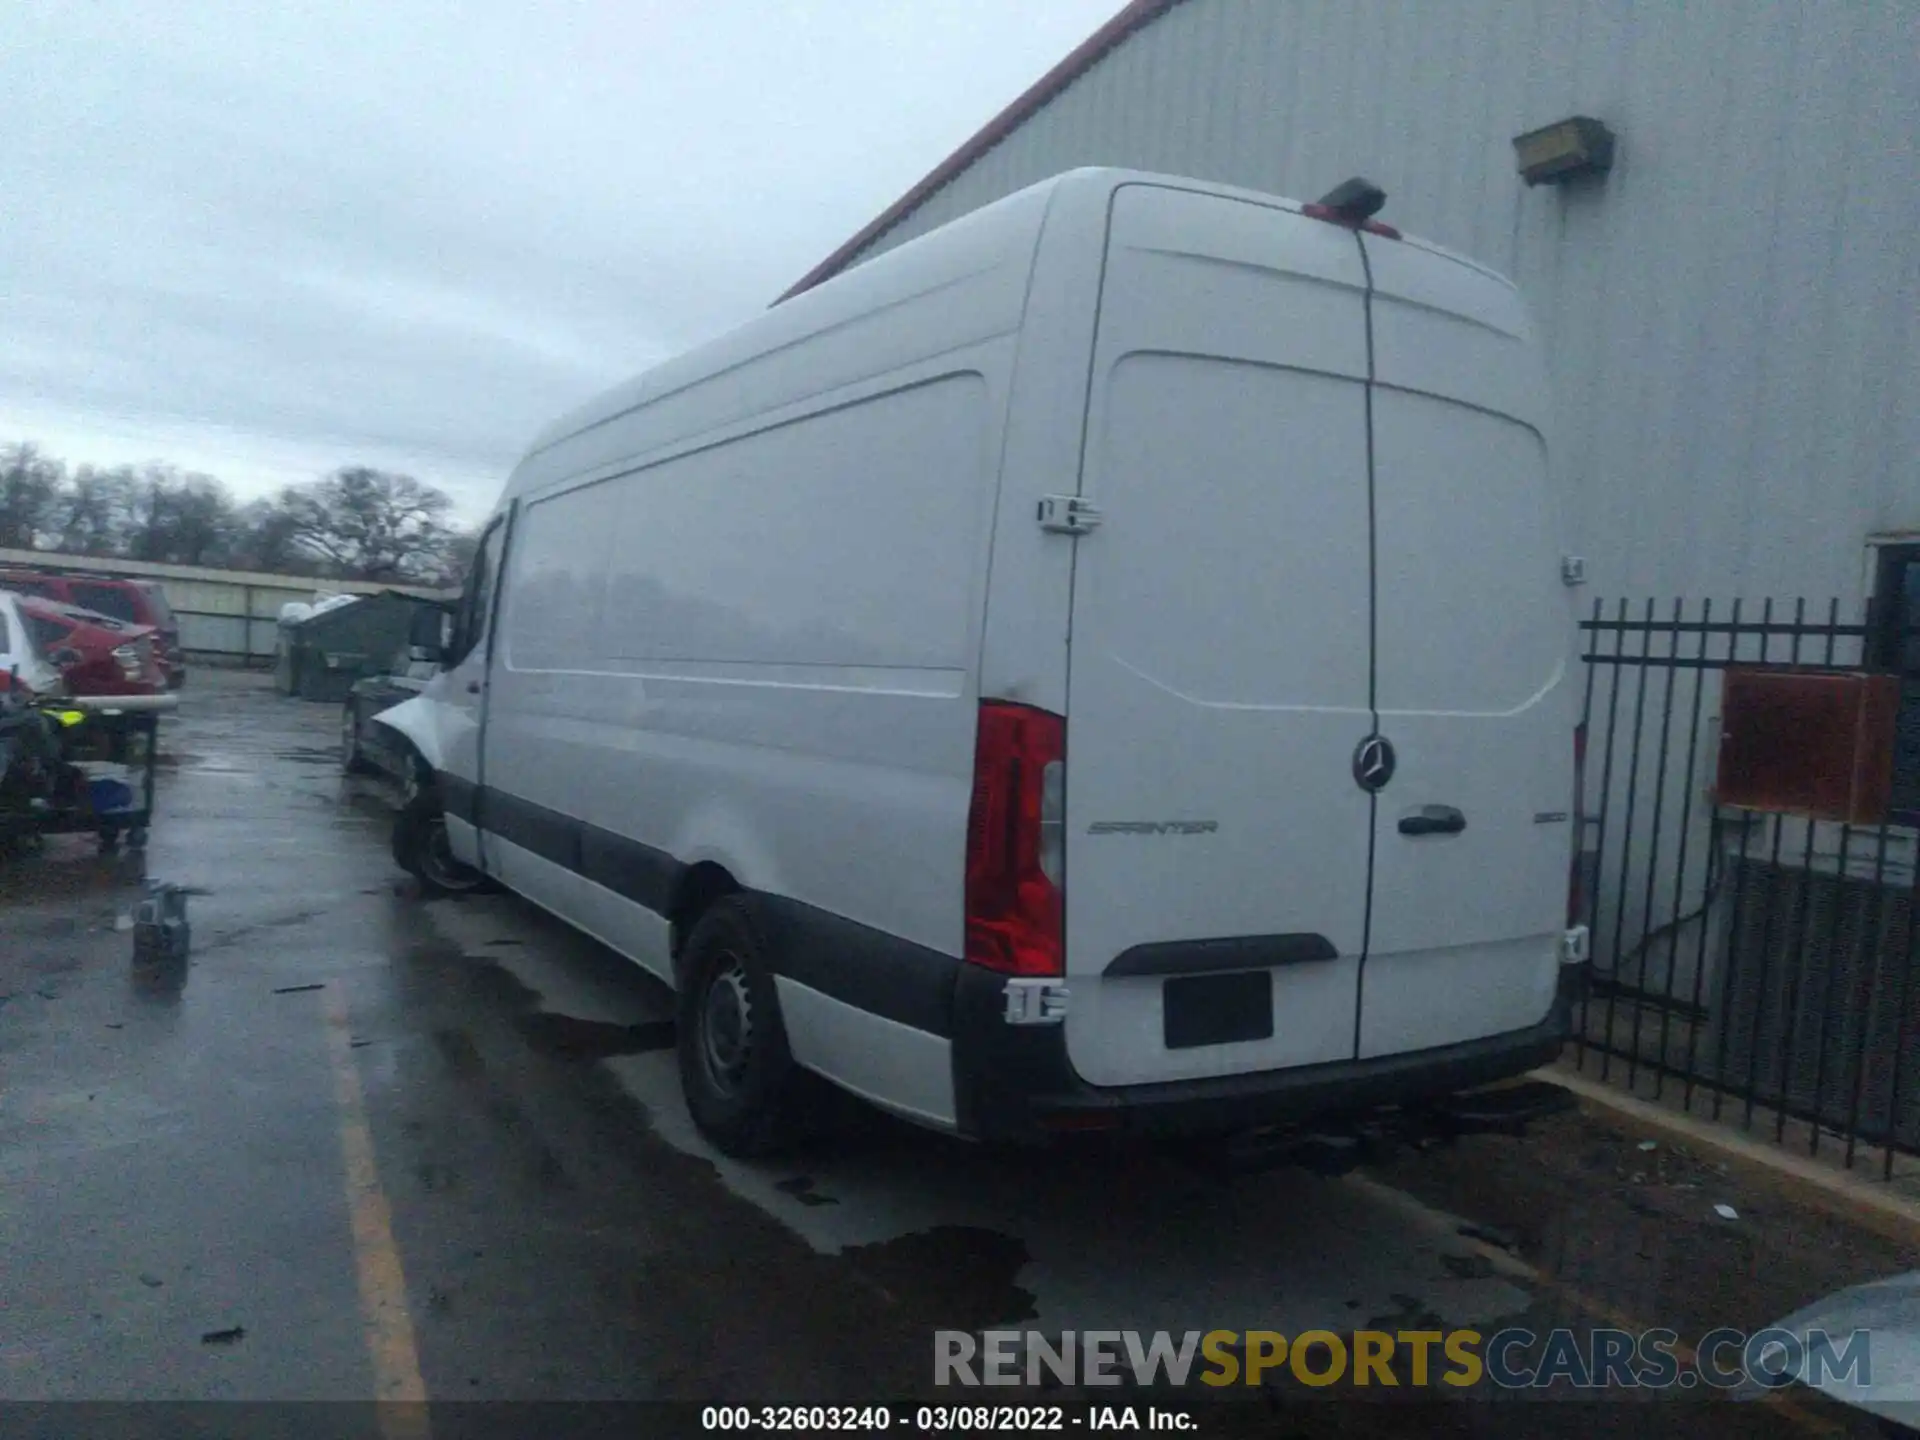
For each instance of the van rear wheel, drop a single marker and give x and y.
(743, 1089)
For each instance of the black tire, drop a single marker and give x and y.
(742, 1087)
(420, 843)
(352, 761)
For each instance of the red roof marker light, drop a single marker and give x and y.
(1353, 203)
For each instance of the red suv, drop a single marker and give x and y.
(96, 654)
(133, 602)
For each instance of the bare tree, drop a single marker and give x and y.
(93, 511)
(181, 519)
(462, 546)
(268, 540)
(29, 490)
(371, 524)
(356, 523)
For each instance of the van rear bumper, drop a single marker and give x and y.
(1015, 1083)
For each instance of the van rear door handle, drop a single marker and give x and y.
(1434, 820)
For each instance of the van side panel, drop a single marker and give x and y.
(786, 629)
(1023, 653)
(759, 653)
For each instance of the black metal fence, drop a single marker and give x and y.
(1762, 963)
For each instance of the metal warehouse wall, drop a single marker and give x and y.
(231, 614)
(1730, 314)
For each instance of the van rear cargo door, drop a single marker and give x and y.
(1473, 642)
(1216, 869)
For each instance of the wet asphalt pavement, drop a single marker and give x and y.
(364, 1147)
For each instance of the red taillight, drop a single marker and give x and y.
(1333, 216)
(1576, 891)
(1013, 840)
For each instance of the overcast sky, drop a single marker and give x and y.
(266, 239)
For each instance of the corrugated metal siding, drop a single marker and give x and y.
(219, 617)
(1730, 315)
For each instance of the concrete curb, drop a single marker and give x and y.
(1893, 1216)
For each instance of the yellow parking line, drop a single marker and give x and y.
(1515, 1268)
(383, 1284)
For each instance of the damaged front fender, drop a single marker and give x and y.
(422, 721)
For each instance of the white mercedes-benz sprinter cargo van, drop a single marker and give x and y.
(1101, 665)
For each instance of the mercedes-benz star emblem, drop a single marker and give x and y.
(1373, 763)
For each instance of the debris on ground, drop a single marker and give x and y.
(1467, 1267)
(1726, 1212)
(115, 1025)
(160, 930)
(1649, 1145)
(298, 989)
(800, 1187)
(152, 1282)
(230, 1336)
(1490, 1234)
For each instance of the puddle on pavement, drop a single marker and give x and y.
(159, 982)
(971, 1269)
(800, 1187)
(65, 868)
(711, 1263)
(309, 755)
(214, 765)
(567, 1038)
(461, 1055)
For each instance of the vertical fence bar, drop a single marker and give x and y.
(1626, 841)
(1826, 990)
(1871, 939)
(1707, 879)
(1725, 1025)
(1900, 1014)
(1799, 917)
(1591, 661)
(1797, 956)
(1653, 863)
(1768, 913)
(1606, 794)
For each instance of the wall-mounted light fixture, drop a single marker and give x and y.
(1574, 146)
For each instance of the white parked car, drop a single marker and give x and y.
(1100, 665)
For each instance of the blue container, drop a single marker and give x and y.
(110, 796)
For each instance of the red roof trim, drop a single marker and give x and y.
(1137, 14)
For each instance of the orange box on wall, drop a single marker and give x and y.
(1814, 743)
